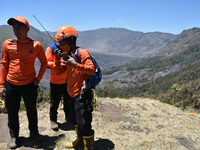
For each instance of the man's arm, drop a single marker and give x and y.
(42, 58)
(86, 65)
(3, 69)
(50, 58)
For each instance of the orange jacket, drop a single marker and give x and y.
(77, 76)
(55, 79)
(17, 61)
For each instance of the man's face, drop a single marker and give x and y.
(65, 45)
(20, 30)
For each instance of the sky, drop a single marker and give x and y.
(168, 16)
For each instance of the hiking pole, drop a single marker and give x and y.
(47, 32)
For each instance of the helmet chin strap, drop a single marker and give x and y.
(70, 52)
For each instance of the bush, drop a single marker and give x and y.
(42, 96)
(2, 106)
(167, 100)
(182, 96)
(189, 93)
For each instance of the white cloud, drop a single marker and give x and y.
(122, 21)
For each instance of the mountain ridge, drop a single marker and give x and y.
(181, 42)
(118, 40)
(111, 41)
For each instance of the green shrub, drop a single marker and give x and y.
(42, 96)
(167, 100)
(148, 95)
(2, 106)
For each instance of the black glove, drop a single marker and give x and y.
(58, 53)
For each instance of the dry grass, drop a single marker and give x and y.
(139, 124)
(123, 124)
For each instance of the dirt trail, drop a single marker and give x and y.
(120, 124)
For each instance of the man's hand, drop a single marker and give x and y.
(36, 82)
(70, 62)
(58, 53)
(3, 92)
(65, 56)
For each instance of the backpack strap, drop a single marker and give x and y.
(78, 60)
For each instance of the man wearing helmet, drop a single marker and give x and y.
(80, 111)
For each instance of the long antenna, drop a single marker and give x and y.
(46, 31)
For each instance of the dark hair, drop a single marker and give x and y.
(73, 40)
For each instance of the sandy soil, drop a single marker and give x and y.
(119, 124)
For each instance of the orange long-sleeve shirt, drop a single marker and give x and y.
(54, 78)
(77, 76)
(17, 61)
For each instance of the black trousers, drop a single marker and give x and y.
(80, 112)
(29, 94)
(57, 91)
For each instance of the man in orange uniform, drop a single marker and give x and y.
(80, 111)
(58, 87)
(18, 77)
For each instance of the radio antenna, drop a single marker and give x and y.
(46, 31)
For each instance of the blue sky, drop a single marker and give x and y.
(171, 16)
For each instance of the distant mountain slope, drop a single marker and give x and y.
(177, 64)
(121, 41)
(112, 41)
(181, 42)
(110, 46)
(6, 32)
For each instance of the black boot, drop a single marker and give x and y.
(78, 142)
(89, 141)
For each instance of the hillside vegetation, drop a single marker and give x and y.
(172, 77)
